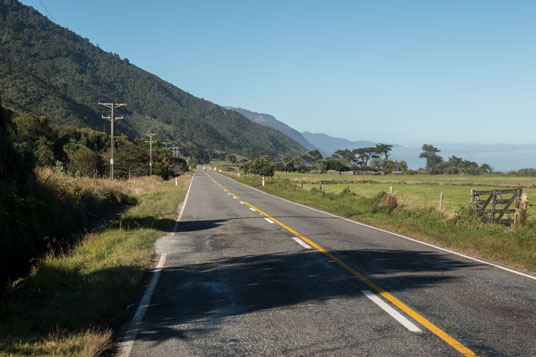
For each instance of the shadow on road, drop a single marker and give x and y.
(241, 285)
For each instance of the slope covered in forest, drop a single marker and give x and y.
(49, 70)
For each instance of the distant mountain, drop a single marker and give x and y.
(327, 145)
(49, 70)
(272, 122)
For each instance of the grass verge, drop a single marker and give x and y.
(461, 231)
(72, 304)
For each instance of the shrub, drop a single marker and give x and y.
(385, 202)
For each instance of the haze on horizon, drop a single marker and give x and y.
(407, 72)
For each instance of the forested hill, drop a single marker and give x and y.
(49, 70)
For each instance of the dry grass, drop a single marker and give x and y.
(72, 304)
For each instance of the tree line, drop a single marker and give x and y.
(86, 152)
(454, 165)
(375, 158)
(365, 159)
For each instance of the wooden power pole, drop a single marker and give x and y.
(150, 153)
(111, 118)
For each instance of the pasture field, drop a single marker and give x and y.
(416, 191)
(498, 179)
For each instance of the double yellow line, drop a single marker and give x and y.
(379, 290)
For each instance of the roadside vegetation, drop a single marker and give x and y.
(457, 227)
(74, 248)
(73, 302)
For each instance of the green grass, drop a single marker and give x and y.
(457, 229)
(73, 304)
(496, 180)
(417, 195)
(417, 191)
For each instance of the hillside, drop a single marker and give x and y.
(49, 70)
(272, 122)
(329, 144)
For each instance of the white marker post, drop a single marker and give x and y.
(176, 182)
(263, 181)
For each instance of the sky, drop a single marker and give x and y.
(402, 71)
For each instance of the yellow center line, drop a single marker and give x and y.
(414, 314)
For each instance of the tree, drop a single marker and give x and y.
(315, 155)
(384, 149)
(429, 152)
(287, 161)
(335, 164)
(364, 155)
(297, 163)
(231, 158)
(485, 168)
(344, 155)
(261, 166)
(82, 160)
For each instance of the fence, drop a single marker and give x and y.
(495, 208)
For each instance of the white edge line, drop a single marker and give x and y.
(134, 327)
(183, 205)
(268, 220)
(302, 243)
(132, 332)
(397, 235)
(394, 314)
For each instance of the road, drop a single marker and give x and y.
(250, 274)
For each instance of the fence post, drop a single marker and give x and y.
(302, 185)
(320, 186)
(441, 201)
(473, 205)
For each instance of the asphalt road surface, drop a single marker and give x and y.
(246, 273)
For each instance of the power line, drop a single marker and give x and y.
(150, 153)
(49, 14)
(112, 118)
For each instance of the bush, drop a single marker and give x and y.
(385, 202)
(262, 166)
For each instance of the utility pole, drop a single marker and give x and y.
(150, 153)
(111, 118)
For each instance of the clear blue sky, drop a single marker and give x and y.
(407, 72)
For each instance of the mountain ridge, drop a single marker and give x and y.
(49, 70)
(327, 144)
(270, 121)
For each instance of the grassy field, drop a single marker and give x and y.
(455, 228)
(498, 180)
(74, 303)
(416, 191)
